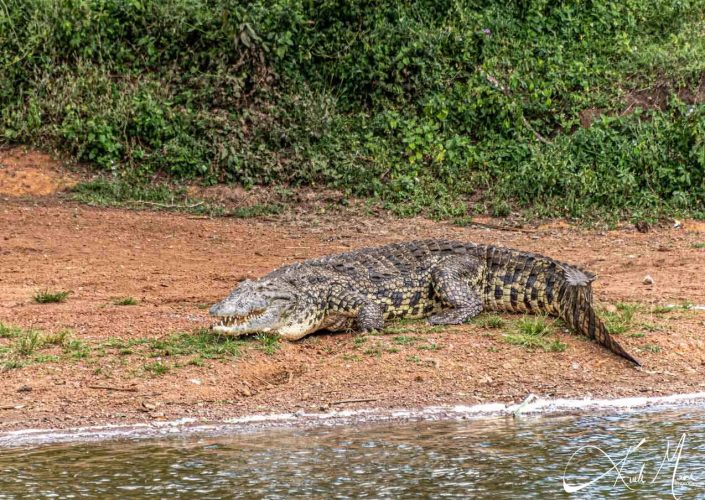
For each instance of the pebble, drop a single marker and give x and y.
(648, 280)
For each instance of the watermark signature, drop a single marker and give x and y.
(625, 472)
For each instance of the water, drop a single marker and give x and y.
(495, 458)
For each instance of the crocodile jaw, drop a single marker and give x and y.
(242, 324)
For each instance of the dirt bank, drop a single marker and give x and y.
(110, 368)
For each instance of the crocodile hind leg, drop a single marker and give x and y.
(452, 281)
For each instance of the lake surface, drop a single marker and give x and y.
(528, 457)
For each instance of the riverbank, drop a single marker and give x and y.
(532, 406)
(128, 342)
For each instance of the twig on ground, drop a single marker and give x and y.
(501, 228)
(110, 388)
(167, 205)
(345, 401)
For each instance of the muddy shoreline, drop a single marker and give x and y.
(531, 407)
(98, 362)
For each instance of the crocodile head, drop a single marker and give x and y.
(268, 306)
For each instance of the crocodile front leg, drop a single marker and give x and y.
(452, 281)
(369, 315)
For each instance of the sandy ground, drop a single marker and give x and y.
(175, 265)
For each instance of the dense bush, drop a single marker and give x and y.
(427, 103)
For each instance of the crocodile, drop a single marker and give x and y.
(447, 281)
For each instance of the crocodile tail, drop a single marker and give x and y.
(579, 313)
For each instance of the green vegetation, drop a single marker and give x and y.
(650, 348)
(490, 321)
(22, 347)
(47, 297)
(405, 340)
(135, 193)
(202, 342)
(268, 343)
(698, 245)
(684, 306)
(620, 321)
(125, 301)
(26, 346)
(358, 340)
(562, 108)
(533, 333)
(156, 368)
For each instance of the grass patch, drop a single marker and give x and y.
(77, 349)
(620, 321)
(47, 297)
(663, 309)
(405, 340)
(125, 301)
(490, 321)
(533, 333)
(28, 342)
(59, 339)
(139, 194)
(27, 345)
(8, 331)
(268, 343)
(653, 348)
(358, 340)
(431, 346)
(203, 342)
(46, 358)
(373, 351)
(156, 368)
(399, 327)
(698, 245)
(685, 305)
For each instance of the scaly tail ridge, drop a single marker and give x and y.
(582, 317)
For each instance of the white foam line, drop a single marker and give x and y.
(537, 406)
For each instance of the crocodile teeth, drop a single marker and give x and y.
(239, 320)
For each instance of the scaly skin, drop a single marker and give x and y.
(447, 281)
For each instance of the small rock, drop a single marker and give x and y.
(195, 381)
(677, 224)
(246, 392)
(642, 226)
(576, 366)
(648, 280)
(24, 388)
(148, 406)
(611, 308)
